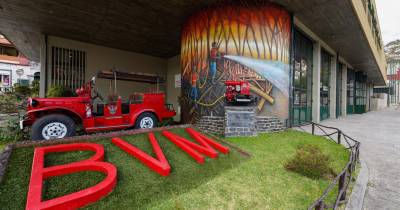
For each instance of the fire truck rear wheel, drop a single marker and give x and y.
(54, 126)
(146, 120)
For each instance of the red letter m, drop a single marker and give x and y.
(206, 146)
(76, 199)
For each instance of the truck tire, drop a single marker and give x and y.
(146, 120)
(53, 126)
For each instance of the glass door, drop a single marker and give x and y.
(350, 91)
(325, 87)
(339, 93)
(302, 80)
(361, 94)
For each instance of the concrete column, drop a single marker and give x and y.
(316, 83)
(332, 87)
(370, 94)
(42, 85)
(344, 91)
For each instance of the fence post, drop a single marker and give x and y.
(320, 205)
(339, 137)
(312, 128)
(342, 182)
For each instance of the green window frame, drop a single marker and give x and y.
(325, 85)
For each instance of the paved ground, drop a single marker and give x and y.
(379, 134)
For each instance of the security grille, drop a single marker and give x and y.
(68, 67)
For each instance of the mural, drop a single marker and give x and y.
(235, 43)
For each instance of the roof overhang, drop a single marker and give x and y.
(338, 25)
(154, 27)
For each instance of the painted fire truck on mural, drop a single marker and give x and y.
(238, 92)
(52, 118)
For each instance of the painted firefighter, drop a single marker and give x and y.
(194, 92)
(214, 56)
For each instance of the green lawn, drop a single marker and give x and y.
(230, 182)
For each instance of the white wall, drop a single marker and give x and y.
(173, 92)
(103, 58)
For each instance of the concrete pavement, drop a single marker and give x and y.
(379, 134)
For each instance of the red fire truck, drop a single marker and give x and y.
(53, 118)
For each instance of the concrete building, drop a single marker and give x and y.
(14, 67)
(394, 81)
(305, 60)
(392, 51)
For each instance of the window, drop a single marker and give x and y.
(325, 85)
(23, 82)
(302, 80)
(68, 67)
(5, 80)
(9, 51)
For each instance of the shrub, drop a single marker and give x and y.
(22, 91)
(60, 91)
(11, 132)
(310, 161)
(35, 88)
(8, 103)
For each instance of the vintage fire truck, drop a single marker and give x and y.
(52, 118)
(238, 93)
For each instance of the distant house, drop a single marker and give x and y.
(14, 66)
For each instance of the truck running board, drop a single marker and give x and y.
(102, 128)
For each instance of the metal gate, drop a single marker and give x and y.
(67, 67)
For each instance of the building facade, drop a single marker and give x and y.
(304, 60)
(14, 67)
(392, 51)
(394, 82)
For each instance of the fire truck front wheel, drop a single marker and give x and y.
(146, 120)
(53, 126)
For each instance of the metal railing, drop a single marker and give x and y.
(343, 179)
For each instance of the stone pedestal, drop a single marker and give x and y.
(240, 121)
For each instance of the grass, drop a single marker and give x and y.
(230, 182)
(2, 146)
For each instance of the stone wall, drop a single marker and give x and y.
(268, 124)
(212, 124)
(240, 121)
(244, 124)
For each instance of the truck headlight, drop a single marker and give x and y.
(33, 103)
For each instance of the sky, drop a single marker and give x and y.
(389, 19)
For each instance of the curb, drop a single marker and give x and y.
(356, 199)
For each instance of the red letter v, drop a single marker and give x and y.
(159, 165)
